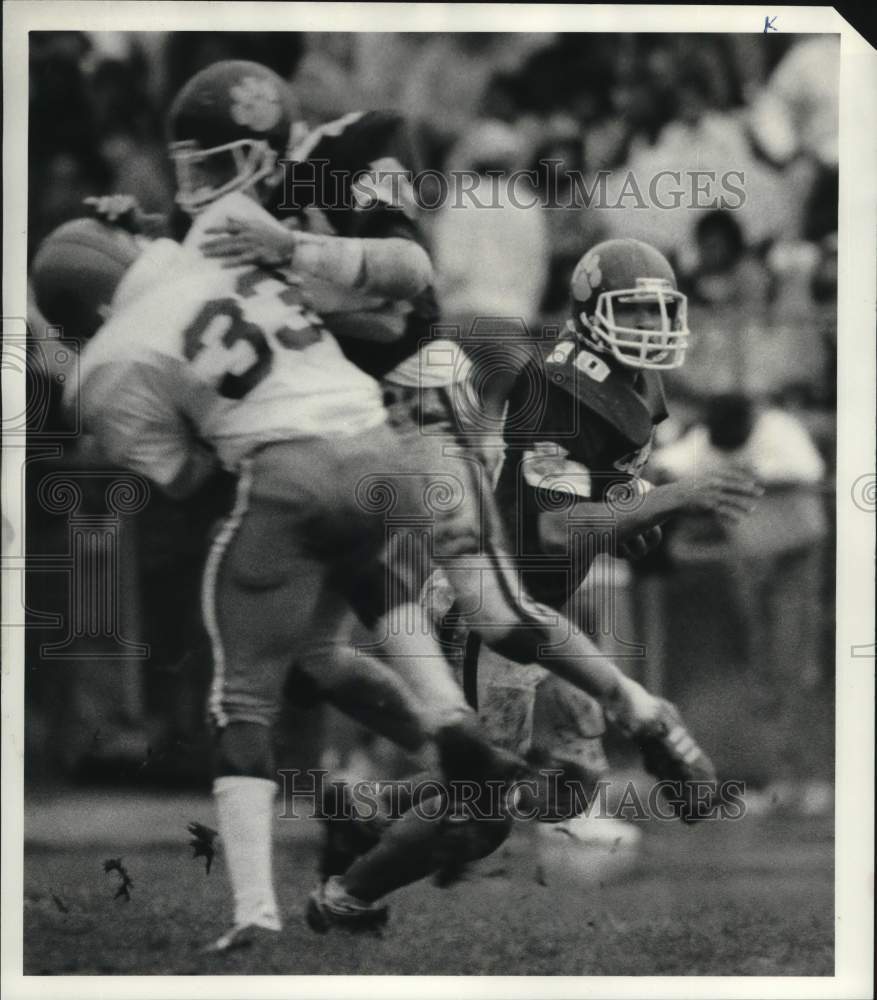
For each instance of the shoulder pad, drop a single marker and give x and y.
(602, 389)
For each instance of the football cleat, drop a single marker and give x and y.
(671, 754)
(241, 936)
(331, 905)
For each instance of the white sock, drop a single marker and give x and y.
(244, 808)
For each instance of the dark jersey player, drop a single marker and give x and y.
(577, 460)
(580, 425)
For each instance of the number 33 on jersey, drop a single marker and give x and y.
(234, 352)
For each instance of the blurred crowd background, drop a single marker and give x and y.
(739, 625)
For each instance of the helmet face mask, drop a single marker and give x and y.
(625, 303)
(244, 162)
(659, 341)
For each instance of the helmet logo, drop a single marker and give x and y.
(587, 277)
(255, 104)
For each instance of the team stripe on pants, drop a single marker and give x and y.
(208, 591)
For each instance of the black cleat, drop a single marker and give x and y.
(671, 754)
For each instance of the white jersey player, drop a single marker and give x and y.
(237, 356)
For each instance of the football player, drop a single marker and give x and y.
(570, 487)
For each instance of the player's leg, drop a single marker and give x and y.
(362, 686)
(262, 595)
(271, 599)
(492, 602)
(463, 822)
(438, 835)
(417, 846)
(420, 842)
(259, 595)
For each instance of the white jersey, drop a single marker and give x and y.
(232, 354)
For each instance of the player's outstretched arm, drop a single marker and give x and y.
(393, 267)
(729, 494)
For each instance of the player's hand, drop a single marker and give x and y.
(251, 241)
(641, 545)
(113, 207)
(730, 493)
(124, 210)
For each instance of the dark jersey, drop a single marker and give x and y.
(576, 428)
(356, 173)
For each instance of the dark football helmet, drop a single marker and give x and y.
(228, 126)
(625, 302)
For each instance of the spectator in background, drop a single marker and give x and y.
(490, 240)
(559, 165)
(451, 77)
(759, 588)
(131, 135)
(793, 123)
(64, 162)
(722, 270)
(491, 251)
(324, 78)
(737, 431)
(796, 114)
(728, 286)
(792, 265)
(772, 557)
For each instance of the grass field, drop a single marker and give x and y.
(753, 897)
